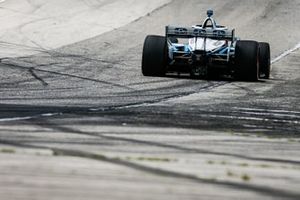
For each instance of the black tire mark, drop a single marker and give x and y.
(280, 193)
(31, 70)
(56, 54)
(158, 144)
(70, 75)
(210, 85)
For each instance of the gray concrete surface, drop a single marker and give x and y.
(30, 27)
(81, 122)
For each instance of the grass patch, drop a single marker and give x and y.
(210, 162)
(151, 159)
(223, 163)
(56, 153)
(244, 165)
(230, 173)
(265, 166)
(245, 177)
(293, 140)
(7, 151)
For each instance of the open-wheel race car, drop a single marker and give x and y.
(206, 51)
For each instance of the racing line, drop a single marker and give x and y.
(134, 105)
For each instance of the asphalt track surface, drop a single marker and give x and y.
(81, 122)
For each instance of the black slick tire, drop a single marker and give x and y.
(154, 58)
(246, 61)
(264, 60)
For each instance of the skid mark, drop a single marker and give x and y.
(31, 70)
(71, 75)
(106, 136)
(159, 100)
(160, 172)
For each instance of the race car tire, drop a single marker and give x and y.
(264, 60)
(246, 60)
(213, 74)
(154, 58)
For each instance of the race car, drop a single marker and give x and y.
(205, 51)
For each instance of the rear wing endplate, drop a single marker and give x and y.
(191, 32)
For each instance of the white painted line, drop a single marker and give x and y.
(14, 118)
(286, 53)
(265, 110)
(251, 118)
(28, 117)
(121, 107)
(50, 114)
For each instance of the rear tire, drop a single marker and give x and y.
(154, 59)
(246, 61)
(264, 60)
(213, 74)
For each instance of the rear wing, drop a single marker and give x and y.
(191, 32)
